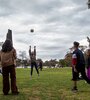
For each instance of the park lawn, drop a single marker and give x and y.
(52, 84)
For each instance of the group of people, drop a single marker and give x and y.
(78, 66)
(38, 65)
(8, 60)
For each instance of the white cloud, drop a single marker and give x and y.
(57, 23)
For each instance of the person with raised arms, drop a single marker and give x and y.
(32, 55)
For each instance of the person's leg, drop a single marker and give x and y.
(83, 73)
(74, 84)
(6, 86)
(32, 68)
(13, 80)
(36, 68)
(88, 73)
(41, 67)
(0, 70)
(75, 77)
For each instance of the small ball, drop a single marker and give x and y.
(32, 30)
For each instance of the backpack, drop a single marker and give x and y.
(7, 58)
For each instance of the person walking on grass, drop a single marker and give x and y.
(7, 58)
(88, 64)
(33, 60)
(78, 66)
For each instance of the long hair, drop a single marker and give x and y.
(7, 46)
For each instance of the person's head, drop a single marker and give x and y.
(7, 46)
(76, 45)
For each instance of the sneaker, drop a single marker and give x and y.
(15, 93)
(74, 90)
(5, 93)
(30, 77)
(88, 82)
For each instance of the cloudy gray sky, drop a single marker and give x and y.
(57, 23)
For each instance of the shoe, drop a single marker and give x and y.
(30, 77)
(5, 93)
(74, 90)
(88, 82)
(15, 93)
(38, 75)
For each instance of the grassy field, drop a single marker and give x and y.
(52, 84)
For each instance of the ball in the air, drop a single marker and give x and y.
(32, 30)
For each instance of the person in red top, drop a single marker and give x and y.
(78, 66)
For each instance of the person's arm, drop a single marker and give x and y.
(35, 50)
(88, 60)
(30, 51)
(15, 54)
(0, 55)
(0, 59)
(74, 61)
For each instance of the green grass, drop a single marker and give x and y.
(53, 84)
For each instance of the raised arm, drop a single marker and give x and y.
(35, 50)
(30, 51)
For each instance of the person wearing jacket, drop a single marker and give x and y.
(78, 66)
(88, 64)
(7, 58)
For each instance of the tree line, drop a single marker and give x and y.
(23, 61)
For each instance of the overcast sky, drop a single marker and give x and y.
(57, 23)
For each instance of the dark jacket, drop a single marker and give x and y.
(80, 57)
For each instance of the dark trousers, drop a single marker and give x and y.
(36, 67)
(6, 85)
(40, 67)
(80, 69)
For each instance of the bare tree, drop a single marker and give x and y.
(22, 55)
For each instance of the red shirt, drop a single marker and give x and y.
(74, 59)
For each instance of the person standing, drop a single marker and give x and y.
(40, 65)
(32, 55)
(88, 64)
(78, 66)
(7, 58)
